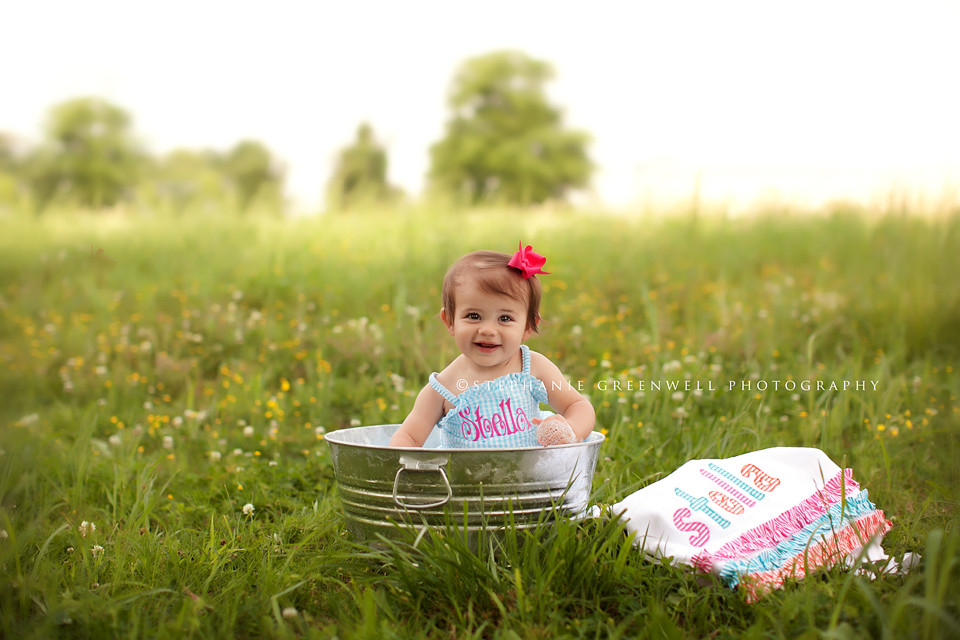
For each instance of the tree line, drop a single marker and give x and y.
(503, 142)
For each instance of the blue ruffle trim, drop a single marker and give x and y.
(830, 522)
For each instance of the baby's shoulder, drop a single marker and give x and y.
(540, 364)
(451, 374)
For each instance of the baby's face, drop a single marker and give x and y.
(488, 328)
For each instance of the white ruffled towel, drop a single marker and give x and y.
(757, 519)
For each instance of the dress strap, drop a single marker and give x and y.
(525, 351)
(442, 390)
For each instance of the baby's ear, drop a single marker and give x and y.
(446, 322)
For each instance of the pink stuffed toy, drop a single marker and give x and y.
(554, 430)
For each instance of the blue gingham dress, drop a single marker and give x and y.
(495, 413)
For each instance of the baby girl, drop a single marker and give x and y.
(491, 305)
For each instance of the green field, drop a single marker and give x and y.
(199, 374)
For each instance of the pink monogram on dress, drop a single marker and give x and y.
(505, 423)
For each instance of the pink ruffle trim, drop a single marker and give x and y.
(772, 532)
(824, 553)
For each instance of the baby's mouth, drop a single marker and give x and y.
(486, 346)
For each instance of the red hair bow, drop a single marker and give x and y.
(528, 262)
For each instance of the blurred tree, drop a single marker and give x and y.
(186, 179)
(360, 175)
(505, 142)
(252, 171)
(89, 154)
(10, 169)
(8, 154)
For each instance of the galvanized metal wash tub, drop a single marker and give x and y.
(382, 487)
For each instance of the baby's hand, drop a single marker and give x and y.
(554, 430)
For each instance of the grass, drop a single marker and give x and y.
(156, 398)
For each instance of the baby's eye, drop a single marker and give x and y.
(506, 318)
(473, 316)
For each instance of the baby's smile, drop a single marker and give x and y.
(486, 347)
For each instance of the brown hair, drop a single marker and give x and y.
(495, 277)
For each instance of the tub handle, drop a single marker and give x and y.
(413, 464)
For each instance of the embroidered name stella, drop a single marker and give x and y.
(505, 423)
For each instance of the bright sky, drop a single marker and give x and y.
(802, 101)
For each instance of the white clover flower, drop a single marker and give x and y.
(168, 442)
(673, 365)
(605, 364)
(177, 422)
(715, 368)
(102, 402)
(248, 432)
(354, 422)
(698, 393)
(413, 312)
(237, 295)
(681, 412)
(689, 359)
(289, 612)
(146, 346)
(576, 330)
(148, 405)
(215, 456)
(621, 400)
(795, 397)
(397, 382)
(70, 549)
(190, 414)
(3, 534)
(96, 550)
(115, 440)
(247, 509)
(784, 418)
(201, 416)
(677, 396)
(241, 422)
(238, 451)
(272, 463)
(86, 528)
(101, 370)
(319, 431)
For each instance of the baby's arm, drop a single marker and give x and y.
(563, 397)
(427, 411)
